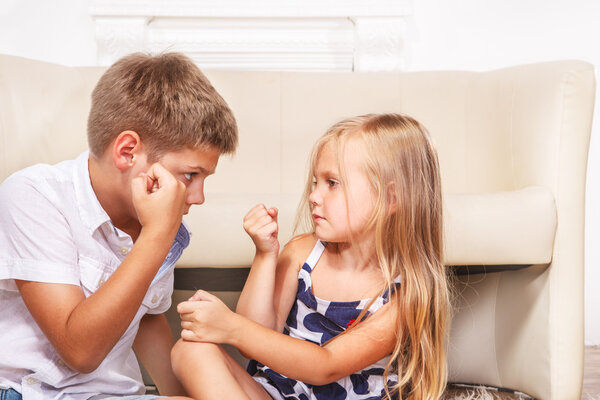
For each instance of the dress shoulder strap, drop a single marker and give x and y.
(315, 254)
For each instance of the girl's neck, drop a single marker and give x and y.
(358, 255)
(347, 272)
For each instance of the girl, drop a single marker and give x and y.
(362, 302)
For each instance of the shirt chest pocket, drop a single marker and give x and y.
(158, 297)
(94, 273)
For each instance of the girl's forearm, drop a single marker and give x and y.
(256, 299)
(294, 358)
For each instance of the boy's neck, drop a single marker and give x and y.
(114, 196)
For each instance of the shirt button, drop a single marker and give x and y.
(124, 250)
(31, 381)
(154, 298)
(62, 363)
(100, 283)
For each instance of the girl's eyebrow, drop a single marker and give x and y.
(327, 173)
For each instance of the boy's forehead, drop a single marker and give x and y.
(205, 158)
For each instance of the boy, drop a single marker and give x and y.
(88, 246)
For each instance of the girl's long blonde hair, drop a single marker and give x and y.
(402, 166)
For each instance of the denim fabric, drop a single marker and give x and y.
(182, 240)
(135, 397)
(10, 394)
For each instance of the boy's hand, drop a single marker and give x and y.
(159, 200)
(261, 224)
(205, 318)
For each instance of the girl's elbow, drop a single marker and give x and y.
(322, 376)
(318, 381)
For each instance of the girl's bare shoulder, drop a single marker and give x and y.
(298, 248)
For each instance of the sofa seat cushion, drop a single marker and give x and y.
(494, 229)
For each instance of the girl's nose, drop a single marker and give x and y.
(313, 198)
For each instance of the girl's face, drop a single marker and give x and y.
(335, 219)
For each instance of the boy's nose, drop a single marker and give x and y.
(195, 196)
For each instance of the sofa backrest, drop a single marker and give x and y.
(495, 131)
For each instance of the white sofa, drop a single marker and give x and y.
(513, 150)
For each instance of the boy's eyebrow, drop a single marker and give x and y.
(202, 169)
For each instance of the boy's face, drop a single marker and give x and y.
(192, 167)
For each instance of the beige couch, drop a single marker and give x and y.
(513, 149)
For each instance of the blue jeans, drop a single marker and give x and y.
(134, 397)
(10, 394)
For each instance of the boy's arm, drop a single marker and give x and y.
(207, 321)
(84, 330)
(153, 345)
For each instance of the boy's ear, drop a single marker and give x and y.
(124, 149)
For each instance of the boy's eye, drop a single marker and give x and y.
(188, 176)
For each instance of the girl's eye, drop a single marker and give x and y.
(331, 182)
(188, 176)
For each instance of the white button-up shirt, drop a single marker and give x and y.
(54, 230)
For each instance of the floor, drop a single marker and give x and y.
(591, 384)
(591, 374)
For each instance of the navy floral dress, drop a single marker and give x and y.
(317, 320)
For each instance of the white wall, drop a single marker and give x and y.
(59, 31)
(445, 34)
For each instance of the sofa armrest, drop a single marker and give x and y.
(503, 228)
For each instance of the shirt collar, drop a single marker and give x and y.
(91, 212)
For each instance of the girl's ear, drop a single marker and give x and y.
(124, 149)
(391, 197)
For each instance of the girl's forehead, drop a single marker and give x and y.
(326, 160)
(347, 154)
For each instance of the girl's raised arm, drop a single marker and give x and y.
(270, 289)
(256, 299)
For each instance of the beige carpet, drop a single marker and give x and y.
(464, 392)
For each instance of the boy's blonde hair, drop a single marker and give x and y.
(166, 100)
(402, 165)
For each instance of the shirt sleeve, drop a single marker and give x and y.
(36, 242)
